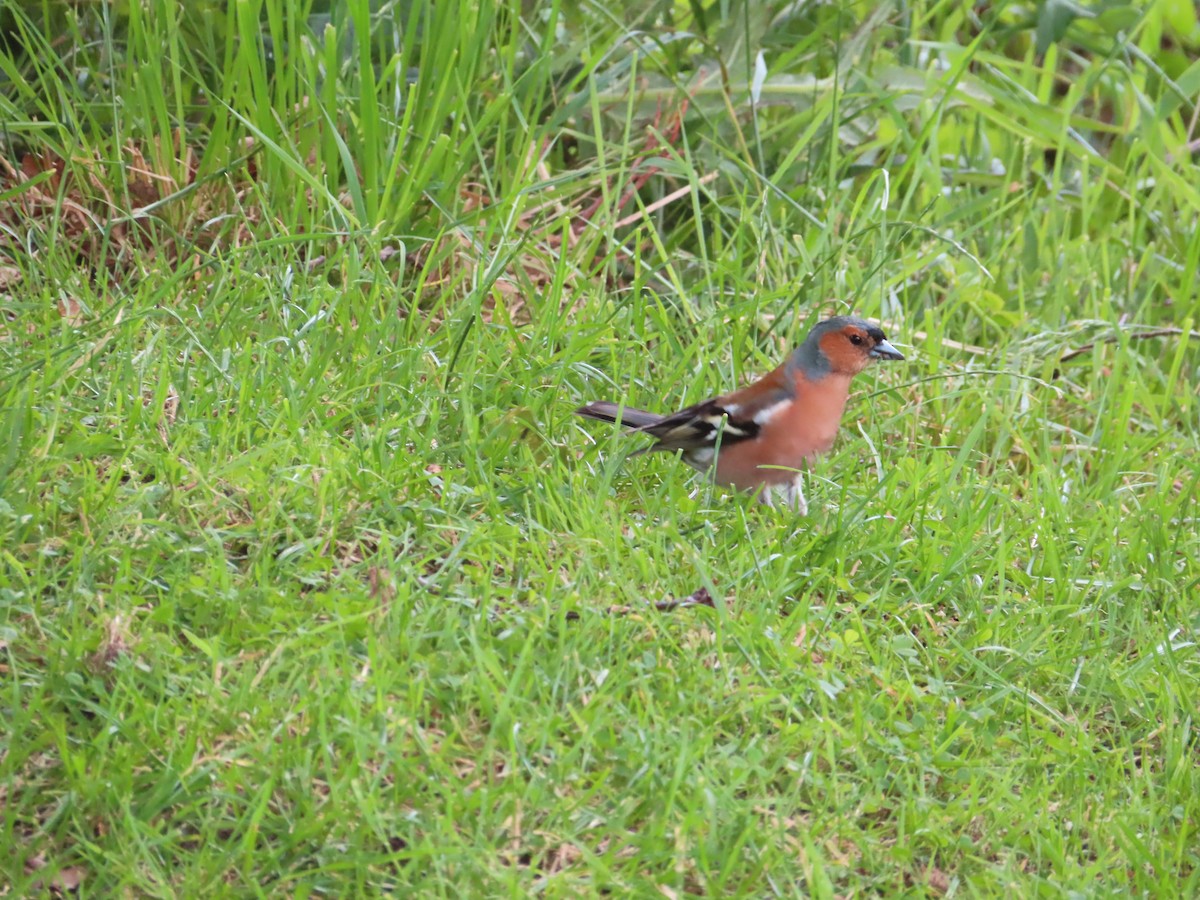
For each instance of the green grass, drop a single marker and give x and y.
(310, 583)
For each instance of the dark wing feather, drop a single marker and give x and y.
(702, 425)
(607, 411)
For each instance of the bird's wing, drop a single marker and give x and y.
(724, 420)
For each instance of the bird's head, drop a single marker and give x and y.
(842, 345)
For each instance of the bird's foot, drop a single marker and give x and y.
(790, 494)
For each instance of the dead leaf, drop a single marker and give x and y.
(381, 586)
(68, 879)
(171, 405)
(141, 181)
(938, 880)
(113, 645)
(560, 857)
(71, 310)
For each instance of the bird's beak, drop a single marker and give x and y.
(884, 350)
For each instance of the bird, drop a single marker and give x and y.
(759, 438)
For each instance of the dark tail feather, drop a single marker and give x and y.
(614, 412)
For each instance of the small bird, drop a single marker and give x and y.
(761, 436)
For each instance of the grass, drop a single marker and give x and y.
(310, 583)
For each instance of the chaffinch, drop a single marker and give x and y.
(762, 435)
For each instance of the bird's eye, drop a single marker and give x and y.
(856, 339)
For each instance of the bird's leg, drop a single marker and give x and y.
(796, 495)
(790, 494)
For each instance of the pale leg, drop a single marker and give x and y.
(796, 495)
(790, 494)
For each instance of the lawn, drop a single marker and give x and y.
(312, 584)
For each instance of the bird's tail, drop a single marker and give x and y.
(621, 415)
